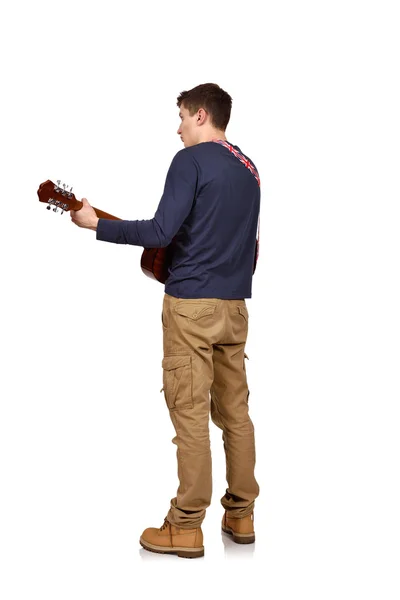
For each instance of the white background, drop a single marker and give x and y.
(89, 97)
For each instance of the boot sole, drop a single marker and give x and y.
(179, 550)
(240, 538)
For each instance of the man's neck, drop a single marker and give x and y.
(215, 135)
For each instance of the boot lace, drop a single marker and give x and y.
(164, 525)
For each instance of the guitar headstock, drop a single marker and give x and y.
(58, 197)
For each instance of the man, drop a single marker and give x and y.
(210, 205)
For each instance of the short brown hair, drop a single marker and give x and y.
(212, 98)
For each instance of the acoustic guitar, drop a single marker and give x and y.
(154, 262)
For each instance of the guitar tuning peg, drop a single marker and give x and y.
(55, 209)
(48, 207)
(62, 212)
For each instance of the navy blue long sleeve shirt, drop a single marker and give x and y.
(210, 204)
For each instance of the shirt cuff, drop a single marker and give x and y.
(109, 230)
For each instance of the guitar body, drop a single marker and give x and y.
(155, 262)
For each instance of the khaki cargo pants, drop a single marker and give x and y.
(204, 372)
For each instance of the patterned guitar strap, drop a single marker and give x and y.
(254, 171)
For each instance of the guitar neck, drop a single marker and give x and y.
(100, 213)
(103, 215)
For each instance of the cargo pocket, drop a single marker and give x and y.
(177, 380)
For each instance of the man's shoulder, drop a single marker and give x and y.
(195, 153)
(186, 158)
(184, 164)
(185, 154)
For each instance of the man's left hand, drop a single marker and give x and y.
(85, 217)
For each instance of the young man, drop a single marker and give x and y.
(210, 205)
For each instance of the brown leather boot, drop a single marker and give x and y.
(168, 539)
(242, 529)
